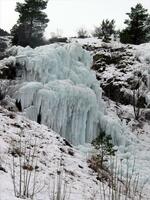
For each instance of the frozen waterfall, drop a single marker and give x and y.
(60, 90)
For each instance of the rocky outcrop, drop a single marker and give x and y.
(117, 70)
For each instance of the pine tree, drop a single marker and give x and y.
(105, 30)
(31, 23)
(103, 143)
(3, 32)
(137, 29)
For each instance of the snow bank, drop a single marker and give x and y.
(52, 150)
(62, 92)
(7, 61)
(143, 52)
(88, 41)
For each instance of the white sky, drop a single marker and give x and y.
(67, 16)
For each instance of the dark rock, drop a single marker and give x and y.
(70, 172)
(36, 167)
(11, 115)
(108, 59)
(99, 67)
(3, 169)
(122, 66)
(62, 150)
(17, 125)
(109, 80)
(67, 143)
(2, 95)
(71, 152)
(147, 115)
(28, 167)
(116, 87)
(114, 92)
(9, 72)
(80, 166)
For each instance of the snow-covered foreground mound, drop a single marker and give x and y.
(61, 91)
(51, 151)
(54, 159)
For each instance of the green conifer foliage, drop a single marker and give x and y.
(137, 30)
(31, 24)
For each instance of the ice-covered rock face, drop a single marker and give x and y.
(62, 92)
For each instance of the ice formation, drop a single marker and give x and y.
(60, 90)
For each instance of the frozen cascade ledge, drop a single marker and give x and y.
(60, 91)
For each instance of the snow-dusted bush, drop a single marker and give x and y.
(123, 183)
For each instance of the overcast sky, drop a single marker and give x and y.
(67, 16)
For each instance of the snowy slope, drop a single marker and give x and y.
(54, 156)
(51, 148)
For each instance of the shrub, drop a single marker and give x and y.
(82, 33)
(59, 189)
(24, 167)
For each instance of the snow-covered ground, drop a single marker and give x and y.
(52, 151)
(54, 156)
(137, 150)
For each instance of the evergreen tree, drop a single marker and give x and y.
(107, 28)
(97, 32)
(103, 143)
(3, 33)
(105, 31)
(137, 30)
(31, 23)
